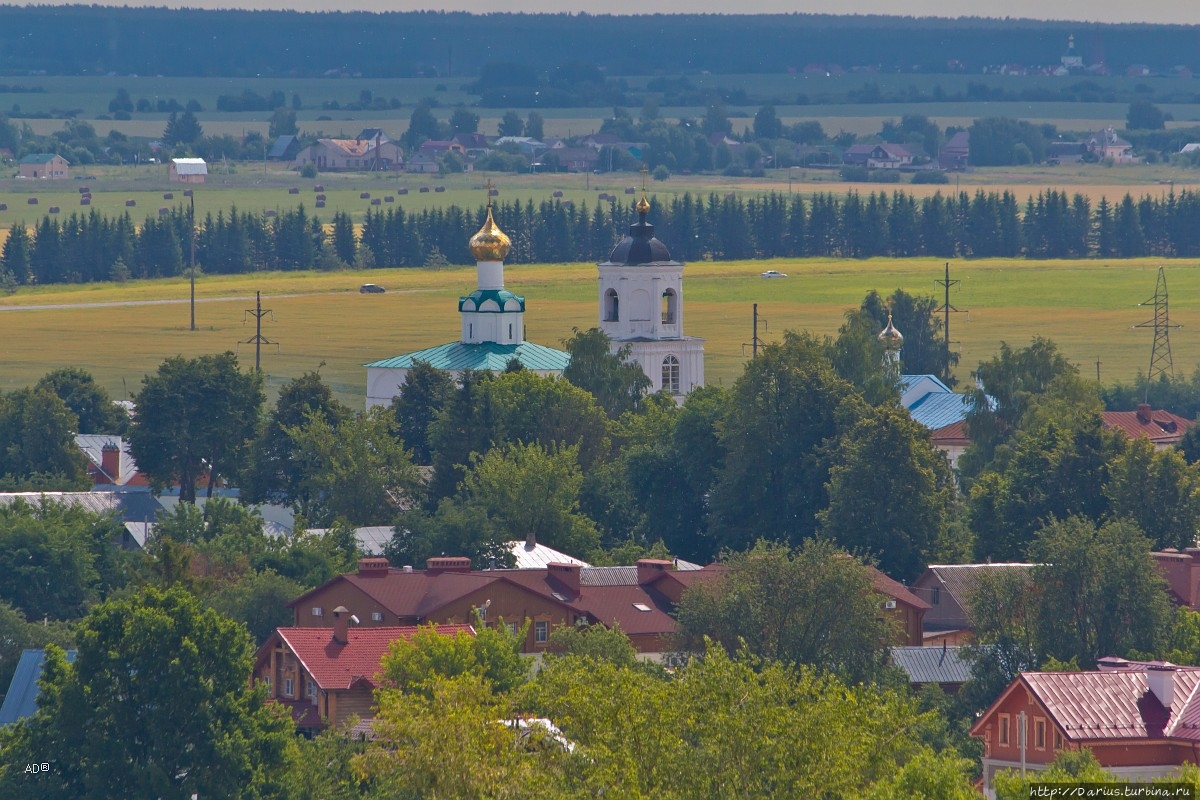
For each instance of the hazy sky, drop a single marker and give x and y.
(1165, 11)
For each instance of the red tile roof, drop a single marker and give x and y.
(1113, 704)
(1160, 427)
(953, 434)
(341, 666)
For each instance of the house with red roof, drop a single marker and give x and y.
(639, 599)
(326, 676)
(1141, 720)
(1162, 428)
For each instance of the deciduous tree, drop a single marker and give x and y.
(194, 416)
(814, 605)
(156, 704)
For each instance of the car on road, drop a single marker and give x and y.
(773, 274)
(371, 288)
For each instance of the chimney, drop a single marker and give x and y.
(439, 564)
(1143, 413)
(372, 567)
(110, 461)
(1161, 678)
(530, 541)
(341, 625)
(648, 569)
(567, 575)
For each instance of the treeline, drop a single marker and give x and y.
(195, 42)
(93, 247)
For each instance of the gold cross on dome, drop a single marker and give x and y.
(488, 186)
(644, 172)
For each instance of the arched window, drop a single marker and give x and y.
(670, 374)
(670, 307)
(611, 306)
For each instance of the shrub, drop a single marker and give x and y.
(855, 174)
(308, 171)
(930, 176)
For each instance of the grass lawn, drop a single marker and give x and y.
(1087, 307)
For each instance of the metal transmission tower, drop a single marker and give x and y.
(1160, 353)
(258, 340)
(946, 308)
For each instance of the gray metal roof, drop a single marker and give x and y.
(932, 664)
(623, 576)
(21, 699)
(538, 556)
(136, 505)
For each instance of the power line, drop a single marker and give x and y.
(946, 308)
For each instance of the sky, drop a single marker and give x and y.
(1157, 11)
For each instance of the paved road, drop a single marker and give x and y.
(130, 303)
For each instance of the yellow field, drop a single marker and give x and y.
(1088, 307)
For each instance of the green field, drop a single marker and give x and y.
(1088, 307)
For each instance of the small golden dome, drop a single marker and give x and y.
(643, 205)
(889, 337)
(491, 243)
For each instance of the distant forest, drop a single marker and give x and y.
(92, 40)
(92, 247)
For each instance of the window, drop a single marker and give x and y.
(510, 330)
(482, 611)
(670, 306)
(1058, 740)
(1039, 734)
(318, 611)
(541, 631)
(289, 687)
(641, 607)
(267, 682)
(310, 689)
(1004, 722)
(935, 595)
(512, 627)
(376, 616)
(670, 375)
(611, 306)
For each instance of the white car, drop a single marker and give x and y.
(774, 274)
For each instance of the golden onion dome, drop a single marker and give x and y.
(889, 337)
(643, 205)
(491, 243)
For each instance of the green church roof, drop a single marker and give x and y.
(456, 356)
(501, 297)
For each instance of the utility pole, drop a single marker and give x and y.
(946, 308)
(258, 340)
(755, 341)
(192, 257)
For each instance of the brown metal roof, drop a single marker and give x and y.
(1160, 427)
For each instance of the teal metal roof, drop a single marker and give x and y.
(456, 356)
(501, 297)
(37, 158)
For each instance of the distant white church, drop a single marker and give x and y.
(493, 329)
(641, 305)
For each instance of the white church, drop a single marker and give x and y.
(641, 305)
(493, 329)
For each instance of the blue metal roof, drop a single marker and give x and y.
(21, 700)
(457, 356)
(936, 410)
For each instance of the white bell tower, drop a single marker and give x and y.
(641, 306)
